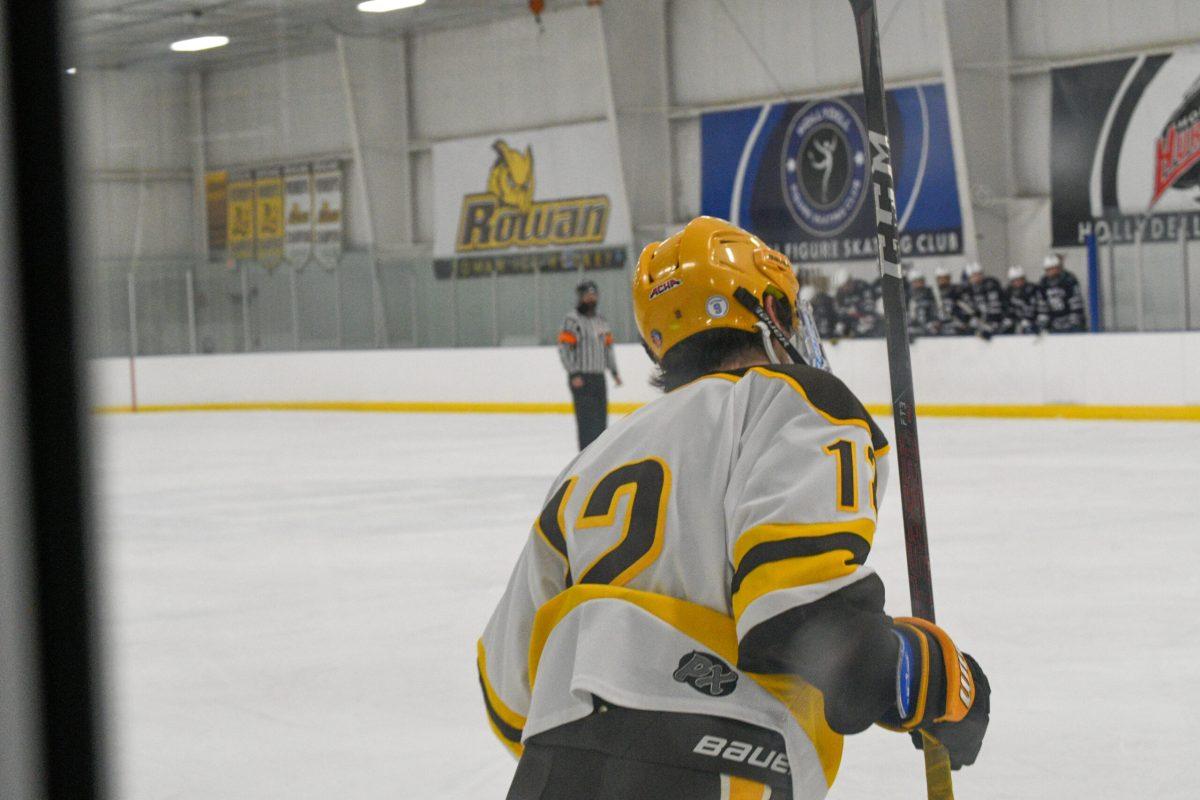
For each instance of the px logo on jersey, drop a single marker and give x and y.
(824, 167)
(707, 674)
(507, 215)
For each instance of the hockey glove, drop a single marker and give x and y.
(938, 690)
(963, 739)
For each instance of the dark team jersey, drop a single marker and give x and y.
(1027, 308)
(825, 315)
(989, 304)
(1064, 303)
(923, 313)
(855, 301)
(957, 312)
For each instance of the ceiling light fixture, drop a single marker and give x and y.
(199, 43)
(383, 6)
(71, 70)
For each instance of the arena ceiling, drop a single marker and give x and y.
(137, 33)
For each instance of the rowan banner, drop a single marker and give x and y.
(328, 190)
(1125, 149)
(216, 187)
(797, 174)
(268, 214)
(546, 199)
(239, 231)
(298, 220)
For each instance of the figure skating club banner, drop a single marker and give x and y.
(1125, 149)
(796, 174)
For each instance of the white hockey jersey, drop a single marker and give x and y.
(716, 507)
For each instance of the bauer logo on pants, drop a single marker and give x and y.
(706, 674)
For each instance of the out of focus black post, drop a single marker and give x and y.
(62, 580)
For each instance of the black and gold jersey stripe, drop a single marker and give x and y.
(767, 558)
(505, 723)
(826, 394)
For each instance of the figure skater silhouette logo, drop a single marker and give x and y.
(823, 167)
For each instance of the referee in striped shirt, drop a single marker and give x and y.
(585, 347)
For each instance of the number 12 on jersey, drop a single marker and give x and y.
(647, 484)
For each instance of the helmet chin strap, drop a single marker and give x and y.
(770, 331)
(768, 343)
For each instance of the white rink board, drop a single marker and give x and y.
(1156, 369)
(293, 601)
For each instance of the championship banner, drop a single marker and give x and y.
(1125, 149)
(797, 175)
(328, 187)
(239, 231)
(216, 185)
(551, 200)
(268, 208)
(298, 219)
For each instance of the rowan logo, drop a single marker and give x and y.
(706, 674)
(1177, 149)
(507, 215)
(511, 178)
(823, 167)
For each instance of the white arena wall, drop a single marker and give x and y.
(1149, 376)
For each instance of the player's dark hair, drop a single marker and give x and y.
(706, 351)
(702, 353)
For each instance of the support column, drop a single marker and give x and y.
(639, 94)
(975, 70)
(197, 131)
(375, 75)
(375, 84)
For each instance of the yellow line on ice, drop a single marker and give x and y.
(1049, 411)
(1056, 411)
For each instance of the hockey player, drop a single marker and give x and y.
(1026, 304)
(989, 309)
(1064, 299)
(824, 312)
(923, 319)
(691, 616)
(953, 309)
(855, 304)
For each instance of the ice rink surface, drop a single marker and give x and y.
(293, 601)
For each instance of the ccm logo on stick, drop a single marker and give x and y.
(885, 200)
(743, 753)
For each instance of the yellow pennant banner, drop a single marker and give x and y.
(268, 208)
(239, 229)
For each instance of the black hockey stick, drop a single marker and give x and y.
(908, 455)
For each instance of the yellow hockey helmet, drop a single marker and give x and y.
(712, 274)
